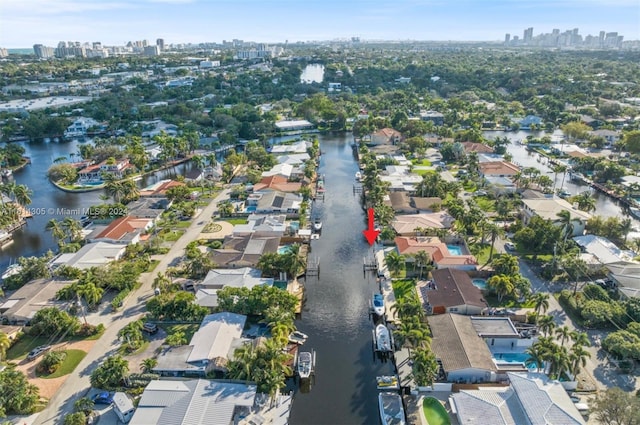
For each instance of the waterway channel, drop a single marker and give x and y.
(48, 202)
(336, 312)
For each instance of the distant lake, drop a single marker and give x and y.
(312, 73)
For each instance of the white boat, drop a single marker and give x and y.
(12, 270)
(317, 225)
(391, 409)
(378, 304)
(383, 338)
(388, 382)
(635, 212)
(358, 176)
(298, 337)
(305, 364)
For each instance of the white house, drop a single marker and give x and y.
(79, 127)
(91, 255)
(283, 170)
(548, 209)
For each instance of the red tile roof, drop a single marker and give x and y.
(277, 182)
(123, 226)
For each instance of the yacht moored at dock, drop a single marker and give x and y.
(391, 409)
(377, 305)
(382, 339)
(305, 364)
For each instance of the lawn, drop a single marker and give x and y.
(481, 252)
(182, 224)
(424, 162)
(486, 204)
(423, 172)
(123, 349)
(236, 221)
(403, 287)
(152, 265)
(172, 236)
(435, 412)
(26, 343)
(469, 186)
(188, 329)
(507, 302)
(68, 365)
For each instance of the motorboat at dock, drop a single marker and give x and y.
(391, 409)
(377, 304)
(382, 338)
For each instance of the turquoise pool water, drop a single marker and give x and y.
(251, 208)
(479, 283)
(515, 358)
(454, 249)
(284, 249)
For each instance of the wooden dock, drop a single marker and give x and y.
(369, 264)
(297, 289)
(313, 266)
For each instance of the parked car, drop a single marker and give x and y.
(38, 351)
(103, 397)
(150, 328)
(480, 193)
(509, 246)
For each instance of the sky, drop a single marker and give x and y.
(24, 23)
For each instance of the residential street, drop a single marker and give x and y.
(77, 383)
(605, 374)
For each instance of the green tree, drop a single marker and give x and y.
(18, 396)
(148, 364)
(395, 262)
(540, 302)
(110, 374)
(506, 264)
(501, 285)
(425, 367)
(5, 343)
(616, 407)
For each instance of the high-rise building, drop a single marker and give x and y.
(42, 51)
(528, 35)
(3, 52)
(507, 38)
(160, 44)
(152, 50)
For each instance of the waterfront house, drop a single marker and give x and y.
(400, 178)
(386, 136)
(412, 224)
(209, 350)
(216, 279)
(124, 230)
(194, 402)
(95, 172)
(244, 250)
(477, 147)
(272, 224)
(439, 252)
(501, 185)
(91, 255)
(403, 203)
(497, 169)
(548, 209)
(194, 175)
(151, 129)
(294, 148)
(21, 306)
(284, 170)
(148, 208)
(277, 182)
(500, 334)
(293, 125)
(294, 159)
(451, 291)
(464, 355)
(159, 189)
(526, 122)
(603, 250)
(531, 398)
(275, 202)
(80, 127)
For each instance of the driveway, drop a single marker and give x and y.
(77, 384)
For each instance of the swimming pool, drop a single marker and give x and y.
(250, 208)
(284, 249)
(513, 358)
(454, 250)
(479, 283)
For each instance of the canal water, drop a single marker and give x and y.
(336, 312)
(312, 73)
(47, 201)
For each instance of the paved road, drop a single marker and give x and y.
(78, 384)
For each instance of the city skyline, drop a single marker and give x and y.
(114, 22)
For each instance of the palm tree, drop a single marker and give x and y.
(626, 225)
(132, 334)
(425, 367)
(411, 334)
(198, 161)
(56, 229)
(495, 232)
(580, 338)
(408, 307)
(395, 262)
(73, 228)
(502, 285)
(225, 208)
(546, 324)
(578, 358)
(563, 333)
(541, 302)
(5, 343)
(147, 365)
(22, 194)
(536, 357)
(294, 261)
(585, 201)
(115, 189)
(558, 168)
(422, 258)
(91, 293)
(566, 224)
(160, 282)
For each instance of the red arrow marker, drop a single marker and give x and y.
(371, 234)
